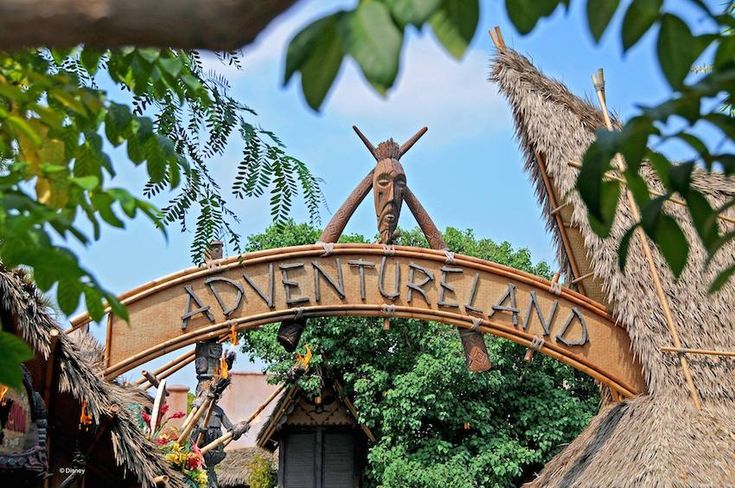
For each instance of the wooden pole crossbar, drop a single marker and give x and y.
(704, 352)
(598, 80)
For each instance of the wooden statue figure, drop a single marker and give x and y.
(206, 362)
(389, 182)
(217, 420)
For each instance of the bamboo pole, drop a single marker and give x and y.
(611, 177)
(705, 352)
(599, 83)
(192, 420)
(160, 480)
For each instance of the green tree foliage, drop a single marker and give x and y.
(412, 388)
(57, 129)
(454, 22)
(262, 472)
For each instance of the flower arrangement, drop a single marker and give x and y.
(186, 457)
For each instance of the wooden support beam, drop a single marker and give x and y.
(704, 352)
(599, 82)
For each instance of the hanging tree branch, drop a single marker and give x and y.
(187, 24)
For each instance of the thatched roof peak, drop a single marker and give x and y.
(659, 438)
(79, 377)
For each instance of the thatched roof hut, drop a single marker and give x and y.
(659, 438)
(234, 471)
(66, 370)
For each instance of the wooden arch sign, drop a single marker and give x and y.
(370, 280)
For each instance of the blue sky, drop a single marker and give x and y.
(467, 170)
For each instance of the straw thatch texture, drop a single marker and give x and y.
(79, 370)
(235, 469)
(657, 439)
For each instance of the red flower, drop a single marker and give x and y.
(178, 415)
(146, 417)
(163, 410)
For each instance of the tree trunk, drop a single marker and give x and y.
(187, 24)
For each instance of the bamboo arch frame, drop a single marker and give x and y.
(454, 318)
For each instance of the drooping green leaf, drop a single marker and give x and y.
(526, 13)
(680, 176)
(68, 294)
(374, 41)
(321, 67)
(88, 183)
(722, 278)
(93, 302)
(13, 352)
(599, 14)
(454, 24)
(117, 123)
(307, 44)
(414, 12)
(90, 59)
(677, 49)
(625, 246)
(595, 163)
(672, 243)
(638, 19)
(704, 218)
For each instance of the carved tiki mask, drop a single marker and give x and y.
(389, 182)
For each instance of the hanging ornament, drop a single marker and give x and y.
(224, 371)
(233, 335)
(85, 419)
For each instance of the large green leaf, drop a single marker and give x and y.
(599, 14)
(322, 64)
(414, 12)
(455, 23)
(526, 13)
(677, 49)
(374, 41)
(68, 294)
(639, 17)
(595, 163)
(303, 45)
(722, 278)
(13, 351)
(673, 244)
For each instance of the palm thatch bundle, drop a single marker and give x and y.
(122, 455)
(657, 439)
(234, 470)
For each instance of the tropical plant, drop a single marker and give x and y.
(174, 117)
(437, 423)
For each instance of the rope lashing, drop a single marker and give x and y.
(555, 288)
(298, 313)
(449, 257)
(537, 343)
(389, 249)
(476, 323)
(388, 310)
(327, 246)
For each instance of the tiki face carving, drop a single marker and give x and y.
(389, 182)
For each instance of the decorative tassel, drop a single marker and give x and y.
(84, 418)
(233, 335)
(224, 371)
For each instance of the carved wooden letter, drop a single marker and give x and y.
(428, 276)
(189, 313)
(361, 265)
(227, 311)
(446, 287)
(338, 287)
(583, 339)
(290, 285)
(546, 324)
(381, 275)
(270, 298)
(510, 295)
